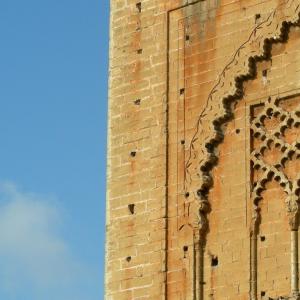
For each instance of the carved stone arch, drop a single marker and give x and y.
(273, 28)
(208, 135)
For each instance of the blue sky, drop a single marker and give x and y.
(53, 103)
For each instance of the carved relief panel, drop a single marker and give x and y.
(275, 171)
(203, 89)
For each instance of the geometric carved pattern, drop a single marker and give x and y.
(275, 153)
(275, 144)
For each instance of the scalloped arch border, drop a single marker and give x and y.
(225, 114)
(216, 134)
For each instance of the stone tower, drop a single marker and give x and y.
(204, 150)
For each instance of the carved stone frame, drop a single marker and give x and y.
(274, 28)
(270, 172)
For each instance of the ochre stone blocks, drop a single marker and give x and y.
(191, 212)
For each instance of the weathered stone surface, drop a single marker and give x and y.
(204, 147)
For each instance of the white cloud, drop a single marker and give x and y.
(33, 253)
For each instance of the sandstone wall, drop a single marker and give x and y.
(203, 158)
